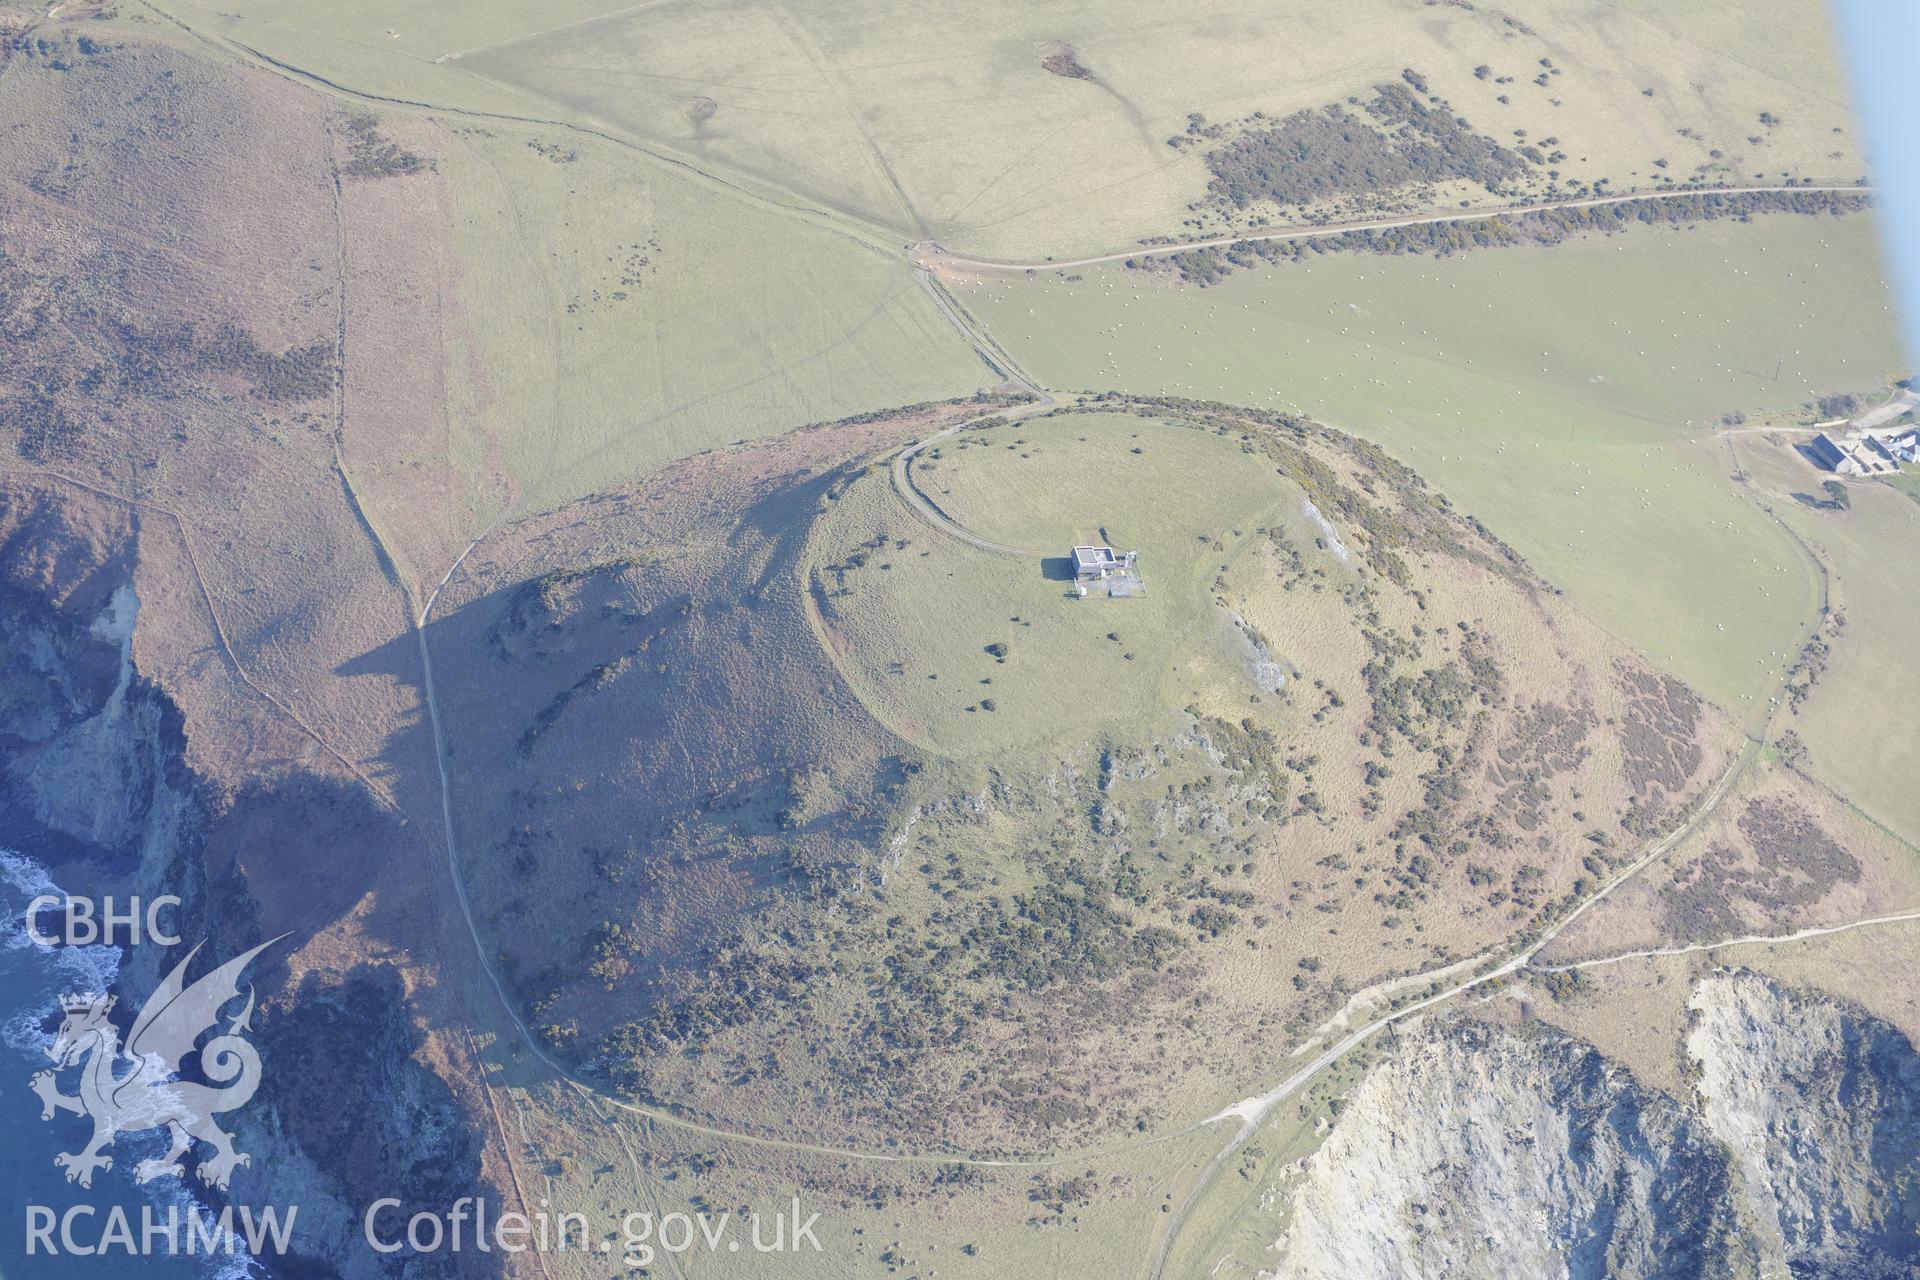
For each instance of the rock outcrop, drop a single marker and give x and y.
(1819, 1105)
(1489, 1151)
(1480, 1151)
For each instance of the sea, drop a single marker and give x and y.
(33, 977)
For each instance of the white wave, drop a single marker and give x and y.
(37, 975)
(56, 970)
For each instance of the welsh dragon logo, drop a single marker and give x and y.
(138, 1087)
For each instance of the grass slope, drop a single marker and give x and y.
(625, 316)
(946, 123)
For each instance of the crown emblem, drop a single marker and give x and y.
(166, 1034)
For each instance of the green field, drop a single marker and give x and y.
(945, 124)
(1859, 720)
(1907, 482)
(1566, 396)
(912, 624)
(624, 316)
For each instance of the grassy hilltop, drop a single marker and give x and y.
(925, 809)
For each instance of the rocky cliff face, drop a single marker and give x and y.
(94, 778)
(91, 745)
(1483, 1152)
(1476, 1150)
(92, 765)
(1820, 1107)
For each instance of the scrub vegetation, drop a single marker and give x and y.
(1213, 263)
(944, 811)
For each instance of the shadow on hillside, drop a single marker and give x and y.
(646, 749)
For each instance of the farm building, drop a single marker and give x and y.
(1825, 451)
(1860, 454)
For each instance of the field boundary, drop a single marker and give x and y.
(930, 255)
